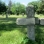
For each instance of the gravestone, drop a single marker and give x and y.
(30, 28)
(29, 21)
(42, 21)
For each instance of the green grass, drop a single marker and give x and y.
(10, 33)
(13, 16)
(11, 37)
(39, 16)
(21, 16)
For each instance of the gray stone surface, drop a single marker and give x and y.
(37, 20)
(42, 21)
(25, 21)
(21, 21)
(30, 28)
(30, 11)
(31, 32)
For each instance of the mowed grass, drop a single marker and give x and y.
(39, 16)
(11, 33)
(11, 37)
(21, 16)
(12, 16)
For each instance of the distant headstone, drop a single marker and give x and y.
(42, 21)
(23, 14)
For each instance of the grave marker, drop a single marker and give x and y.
(30, 21)
(30, 28)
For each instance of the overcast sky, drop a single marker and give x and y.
(25, 2)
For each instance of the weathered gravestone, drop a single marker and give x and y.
(30, 21)
(31, 29)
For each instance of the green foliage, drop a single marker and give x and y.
(13, 8)
(41, 7)
(35, 4)
(18, 8)
(39, 34)
(2, 7)
(38, 5)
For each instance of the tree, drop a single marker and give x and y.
(35, 4)
(41, 7)
(18, 8)
(2, 7)
(9, 6)
(9, 9)
(13, 8)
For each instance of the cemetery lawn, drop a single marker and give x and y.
(21, 16)
(10, 33)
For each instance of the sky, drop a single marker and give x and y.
(25, 2)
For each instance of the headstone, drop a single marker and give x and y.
(30, 28)
(42, 21)
(22, 14)
(29, 21)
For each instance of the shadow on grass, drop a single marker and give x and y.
(28, 41)
(11, 26)
(4, 25)
(7, 26)
(39, 34)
